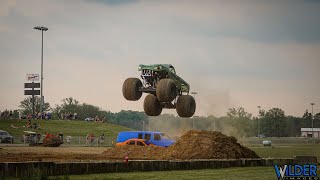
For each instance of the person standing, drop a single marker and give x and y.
(101, 139)
(68, 138)
(60, 136)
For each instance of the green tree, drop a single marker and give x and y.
(238, 113)
(238, 122)
(273, 123)
(26, 105)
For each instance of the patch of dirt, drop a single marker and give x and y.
(52, 154)
(192, 145)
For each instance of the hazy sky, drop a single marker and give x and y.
(233, 53)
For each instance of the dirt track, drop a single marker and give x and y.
(53, 154)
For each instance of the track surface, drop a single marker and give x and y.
(52, 154)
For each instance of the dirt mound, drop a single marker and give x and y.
(208, 145)
(192, 145)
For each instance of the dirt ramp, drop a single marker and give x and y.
(192, 145)
(208, 145)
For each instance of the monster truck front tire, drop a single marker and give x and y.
(186, 106)
(166, 90)
(152, 106)
(130, 89)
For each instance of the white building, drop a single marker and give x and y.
(307, 132)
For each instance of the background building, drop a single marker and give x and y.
(307, 132)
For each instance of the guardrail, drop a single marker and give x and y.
(29, 169)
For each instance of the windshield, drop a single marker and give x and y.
(3, 133)
(165, 136)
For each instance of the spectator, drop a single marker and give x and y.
(10, 114)
(90, 138)
(28, 124)
(14, 127)
(35, 126)
(60, 136)
(101, 139)
(68, 138)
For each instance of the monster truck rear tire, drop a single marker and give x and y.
(130, 89)
(152, 106)
(186, 106)
(166, 90)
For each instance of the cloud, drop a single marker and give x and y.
(233, 54)
(114, 2)
(6, 6)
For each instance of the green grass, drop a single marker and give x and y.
(239, 173)
(287, 150)
(68, 127)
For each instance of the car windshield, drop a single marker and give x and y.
(4, 133)
(165, 136)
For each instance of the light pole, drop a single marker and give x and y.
(312, 121)
(41, 28)
(194, 96)
(259, 107)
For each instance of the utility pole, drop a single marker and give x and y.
(42, 28)
(312, 122)
(259, 107)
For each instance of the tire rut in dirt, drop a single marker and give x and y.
(130, 89)
(186, 106)
(152, 106)
(166, 90)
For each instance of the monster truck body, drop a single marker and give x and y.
(152, 74)
(166, 90)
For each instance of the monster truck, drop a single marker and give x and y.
(165, 90)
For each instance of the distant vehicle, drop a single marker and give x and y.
(151, 137)
(262, 136)
(89, 119)
(136, 142)
(5, 137)
(266, 143)
(30, 136)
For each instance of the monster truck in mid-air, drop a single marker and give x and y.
(166, 90)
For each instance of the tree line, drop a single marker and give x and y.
(237, 122)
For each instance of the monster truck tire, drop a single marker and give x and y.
(186, 106)
(152, 106)
(166, 90)
(130, 89)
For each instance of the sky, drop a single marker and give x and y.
(233, 53)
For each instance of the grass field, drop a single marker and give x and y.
(69, 128)
(239, 173)
(287, 150)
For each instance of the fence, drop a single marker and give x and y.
(74, 141)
